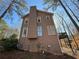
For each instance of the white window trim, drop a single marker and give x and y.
(39, 30)
(23, 34)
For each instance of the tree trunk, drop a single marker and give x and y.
(77, 27)
(71, 34)
(69, 31)
(6, 9)
(70, 45)
(68, 39)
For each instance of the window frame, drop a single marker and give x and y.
(25, 32)
(39, 30)
(39, 18)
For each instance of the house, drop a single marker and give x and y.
(38, 32)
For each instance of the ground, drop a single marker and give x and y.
(17, 54)
(69, 52)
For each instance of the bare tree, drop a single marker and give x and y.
(69, 31)
(15, 5)
(70, 45)
(75, 3)
(56, 3)
(3, 27)
(71, 11)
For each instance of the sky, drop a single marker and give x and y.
(37, 3)
(17, 21)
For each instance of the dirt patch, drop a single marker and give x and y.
(17, 54)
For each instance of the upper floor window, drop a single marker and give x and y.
(38, 19)
(39, 30)
(51, 30)
(25, 32)
(47, 17)
(26, 21)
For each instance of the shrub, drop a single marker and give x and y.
(9, 43)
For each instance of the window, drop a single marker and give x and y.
(39, 30)
(39, 27)
(51, 30)
(26, 22)
(47, 17)
(25, 32)
(38, 19)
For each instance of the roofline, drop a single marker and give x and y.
(25, 15)
(38, 11)
(45, 12)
